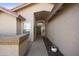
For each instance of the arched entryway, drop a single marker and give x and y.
(40, 23)
(40, 28)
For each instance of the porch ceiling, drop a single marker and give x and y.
(41, 15)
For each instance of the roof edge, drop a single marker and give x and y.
(24, 5)
(11, 13)
(54, 10)
(21, 17)
(8, 11)
(21, 6)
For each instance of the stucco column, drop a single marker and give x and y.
(46, 29)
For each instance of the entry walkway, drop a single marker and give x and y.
(38, 48)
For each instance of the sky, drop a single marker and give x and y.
(10, 5)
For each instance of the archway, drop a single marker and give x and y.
(40, 24)
(40, 28)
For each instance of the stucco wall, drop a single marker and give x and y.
(16, 45)
(9, 50)
(7, 24)
(63, 30)
(19, 26)
(28, 13)
(24, 47)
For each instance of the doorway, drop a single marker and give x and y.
(40, 29)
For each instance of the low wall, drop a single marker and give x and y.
(13, 45)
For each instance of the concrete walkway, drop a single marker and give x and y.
(38, 49)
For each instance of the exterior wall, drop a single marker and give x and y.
(14, 45)
(28, 13)
(22, 27)
(63, 30)
(9, 50)
(24, 47)
(19, 26)
(7, 24)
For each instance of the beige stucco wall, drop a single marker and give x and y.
(28, 13)
(24, 47)
(9, 50)
(63, 30)
(7, 24)
(16, 45)
(20, 26)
